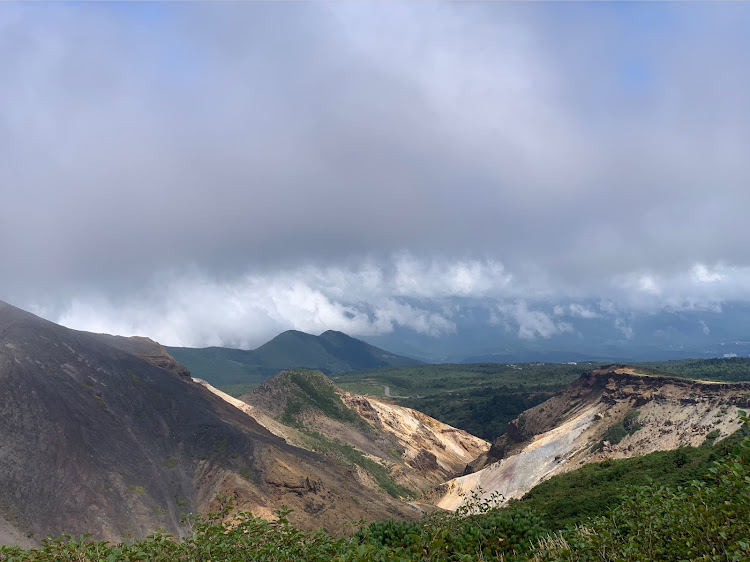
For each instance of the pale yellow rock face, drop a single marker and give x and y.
(418, 433)
(516, 475)
(672, 413)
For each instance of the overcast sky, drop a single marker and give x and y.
(208, 173)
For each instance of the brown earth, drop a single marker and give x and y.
(108, 435)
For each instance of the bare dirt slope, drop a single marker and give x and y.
(9, 534)
(108, 435)
(416, 450)
(433, 450)
(579, 425)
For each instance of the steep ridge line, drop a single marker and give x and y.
(107, 435)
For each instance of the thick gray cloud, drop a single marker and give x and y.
(174, 168)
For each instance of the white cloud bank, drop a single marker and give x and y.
(367, 299)
(371, 298)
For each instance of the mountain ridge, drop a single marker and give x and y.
(331, 352)
(97, 439)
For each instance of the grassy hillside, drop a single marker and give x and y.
(237, 371)
(592, 490)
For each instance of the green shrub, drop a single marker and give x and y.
(705, 520)
(712, 436)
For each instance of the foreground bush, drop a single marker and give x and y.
(705, 520)
(478, 531)
(243, 537)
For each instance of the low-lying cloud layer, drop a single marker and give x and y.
(215, 173)
(371, 299)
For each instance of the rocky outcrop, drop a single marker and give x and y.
(148, 350)
(432, 450)
(612, 412)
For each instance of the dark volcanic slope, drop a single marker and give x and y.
(95, 436)
(331, 352)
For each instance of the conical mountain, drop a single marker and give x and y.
(331, 352)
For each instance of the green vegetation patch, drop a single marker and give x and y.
(237, 390)
(350, 456)
(620, 430)
(171, 463)
(574, 497)
(221, 446)
(291, 411)
(712, 436)
(727, 369)
(317, 392)
(702, 520)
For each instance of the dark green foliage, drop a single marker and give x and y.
(615, 434)
(445, 379)
(391, 533)
(484, 412)
(730, 369)
(704, 520)
(713, 435)
(318, 393)
(292, 410)
(237, 390)
(620, 430)
(477, 531)
(222, 366)
(592, 490)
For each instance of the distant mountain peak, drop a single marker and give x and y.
(332, 352)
